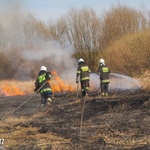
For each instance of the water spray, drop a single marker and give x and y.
(118, 83)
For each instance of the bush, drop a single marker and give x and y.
(129, 55)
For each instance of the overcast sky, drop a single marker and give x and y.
(53, 9)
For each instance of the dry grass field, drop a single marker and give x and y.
(119, 122)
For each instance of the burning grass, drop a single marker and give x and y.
(58, 85)
(14, 87)
(121, 123)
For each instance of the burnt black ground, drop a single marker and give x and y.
(123, 117)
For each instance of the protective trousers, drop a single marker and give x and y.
(104, 88)
(84, 87)
(45, 97)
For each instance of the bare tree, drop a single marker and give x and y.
(84, 29)
(58, 30)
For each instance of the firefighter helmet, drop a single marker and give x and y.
(43, 68)
(81, 60)
(102, 61)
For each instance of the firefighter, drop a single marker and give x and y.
(104, 72)
(43, 87)
(83, 73)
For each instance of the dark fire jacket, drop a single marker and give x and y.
(104, 72)
(83, 71)
(43, 77)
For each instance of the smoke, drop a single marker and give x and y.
(26, 49)
(55, 58)
(11, 9)
(12, 16)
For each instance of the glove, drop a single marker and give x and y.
(35, 90)
(77, 80)
(48, 75)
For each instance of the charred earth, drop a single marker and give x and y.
(120, 121)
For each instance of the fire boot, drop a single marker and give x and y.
(102, 94)
(106, 94)
(43, 106)
(49, 101)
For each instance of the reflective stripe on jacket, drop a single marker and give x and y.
(104, 72)
(41, 79)
(83, 71)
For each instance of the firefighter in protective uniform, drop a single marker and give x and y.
(104, 72)
(43, 87)
(83, 72)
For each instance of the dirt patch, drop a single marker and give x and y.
(116, 122)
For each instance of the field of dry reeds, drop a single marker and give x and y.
(119, 122)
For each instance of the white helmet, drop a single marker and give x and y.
(43, 68)
(102, 61)
(81, 60)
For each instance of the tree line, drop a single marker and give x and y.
(89, 34)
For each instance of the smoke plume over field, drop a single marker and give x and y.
(26, 49)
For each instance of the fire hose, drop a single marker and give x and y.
(93, 92)
(90, 92)
(10, 113)
(82, 113)
(77, 91)
(85, 99)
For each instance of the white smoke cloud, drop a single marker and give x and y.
(11, 9)
(12, 18)
(60, 57)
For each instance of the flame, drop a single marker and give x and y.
(58, 85)
(11, 90)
